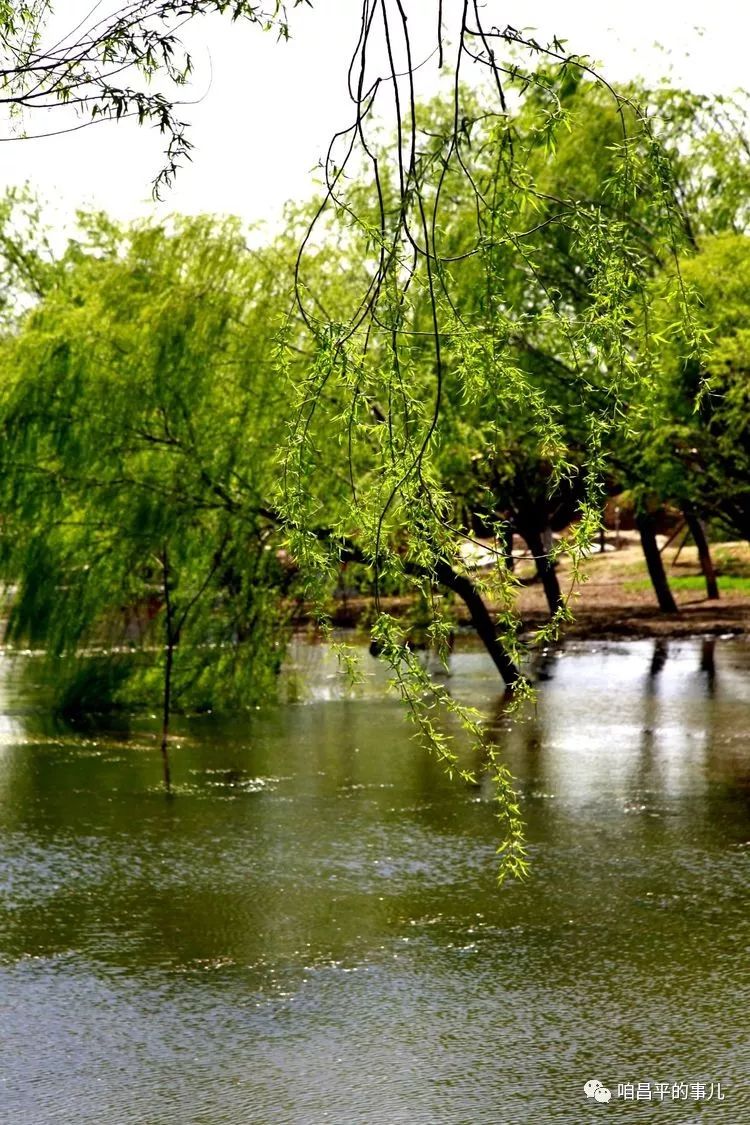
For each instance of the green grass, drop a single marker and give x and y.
(728, 583)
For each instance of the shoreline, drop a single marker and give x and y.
(614, 601)
(607, 621)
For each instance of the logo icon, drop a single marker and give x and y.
(596, 1090)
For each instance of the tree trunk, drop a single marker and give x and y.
(461, 585)
(659, 657)
(480, 619)
(545, 569)
(708, 663)
(704, 554)
(168, 660)
(645, 526)
(165, 716)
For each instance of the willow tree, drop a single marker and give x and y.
(508, 474)
(140, 415)
(697, 454)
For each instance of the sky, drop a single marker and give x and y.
(265, 110)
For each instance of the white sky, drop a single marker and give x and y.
(270, 108)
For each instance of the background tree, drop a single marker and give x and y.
(502, 351)
(699, 452)
(699, 139)
(141, 415)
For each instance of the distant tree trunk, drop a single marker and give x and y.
(544, 568)
(704, 554)
(645, 525)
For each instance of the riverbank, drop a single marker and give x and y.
(617, 599)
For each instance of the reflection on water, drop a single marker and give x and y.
(311, 931)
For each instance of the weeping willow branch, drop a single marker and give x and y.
(103, 68)
(444, 209)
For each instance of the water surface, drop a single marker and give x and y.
(311, 930)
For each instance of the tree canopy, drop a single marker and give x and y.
(141, 417)
(699, 450)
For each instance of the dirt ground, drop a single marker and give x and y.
(617, 599)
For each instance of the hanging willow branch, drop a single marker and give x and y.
(102, 67)
(441, 229)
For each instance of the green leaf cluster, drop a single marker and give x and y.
(140, 415)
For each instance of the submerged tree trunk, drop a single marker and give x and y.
(167, 707)
(704, 554)
(545, 569)
(461, 585)
(168, 661)
(645, 525)
(708, 662)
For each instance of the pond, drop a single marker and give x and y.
(311, 931)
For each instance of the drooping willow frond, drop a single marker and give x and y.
(482, 279)
(103, 66)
